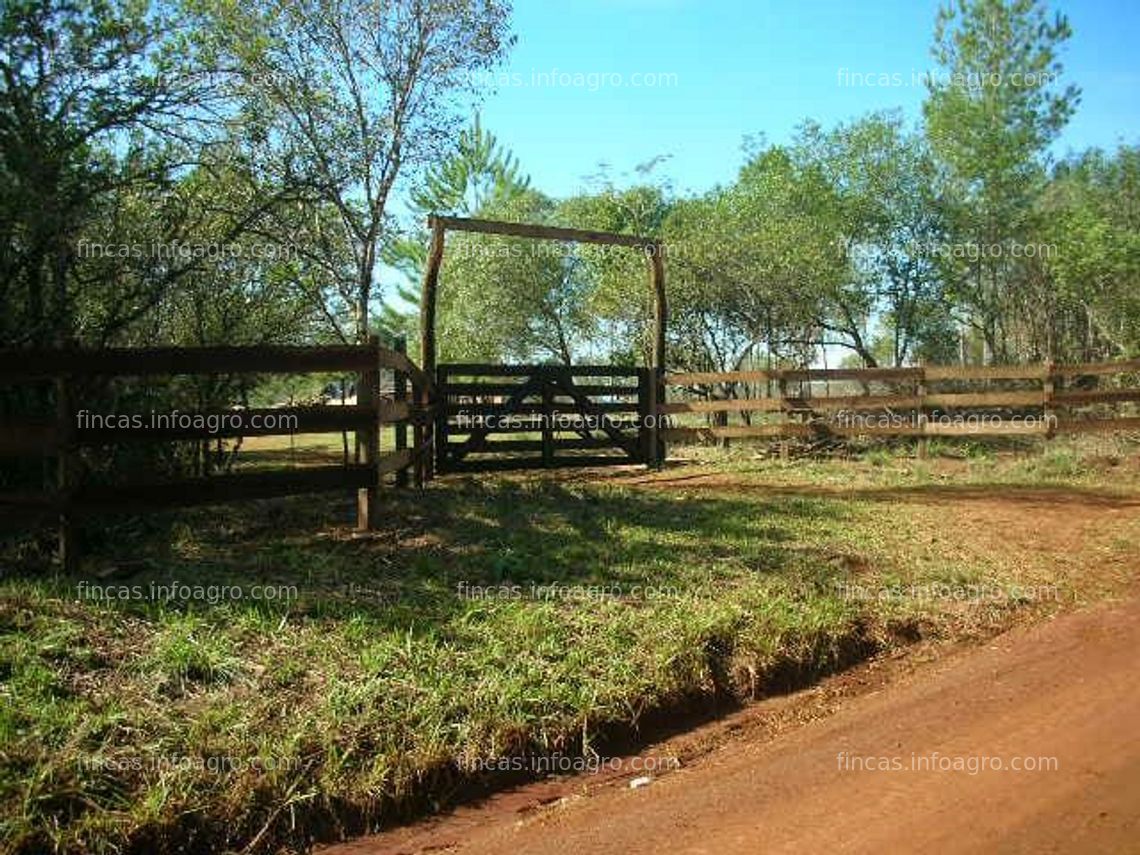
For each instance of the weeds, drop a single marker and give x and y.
(186, 726)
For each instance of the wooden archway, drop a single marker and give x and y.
(651, 247)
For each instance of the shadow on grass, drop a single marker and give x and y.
(1054, 495)
(459, 541)
(485, 533)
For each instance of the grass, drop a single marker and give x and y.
(310, 449)
(366, 692)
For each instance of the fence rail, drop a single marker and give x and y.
(552, 415)
(914, 407)
(62, 438)
(558, 415)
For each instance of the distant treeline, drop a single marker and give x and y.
(205, 172)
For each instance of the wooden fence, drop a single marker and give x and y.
(59, 441)
(550, 415)
(1034, 400)
(990, 401)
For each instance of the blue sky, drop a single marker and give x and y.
(726, 69)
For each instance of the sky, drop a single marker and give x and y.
(621, 82)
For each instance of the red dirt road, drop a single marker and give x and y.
(1067, 689)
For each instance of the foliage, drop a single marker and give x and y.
(512, 298)
(479, 173)
(387, 667)
(991, 115)
(340, 97)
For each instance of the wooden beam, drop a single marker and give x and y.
(526, 424)
(936, 428)
(28, 438)
(504, 464)
(1097, 425)
(728, 405)
(222, 489)
(537, 445)
(700, 378)
(985, 372)
(528, 230)
(984, 399)
(474, 389)
(558, 408)
(368, 437)
(736, 432)
(21, 365)
(66, 473)
(427, 299)
(400, 381)
(920, 391)
(484, 369)
(657, 369)
(1099, 396)
(1097, 368)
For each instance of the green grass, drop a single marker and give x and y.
(196, 726)
(310, 449)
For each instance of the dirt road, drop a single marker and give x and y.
(1063, 697)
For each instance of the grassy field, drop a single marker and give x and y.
(389, 666)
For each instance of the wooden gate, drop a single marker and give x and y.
(495, 417)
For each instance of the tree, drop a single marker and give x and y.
(1090, 228)
(97, 98)
(503, 298)
(760, 267)
(344, 95)
(615, 281)
(991, 113)
(892, 228)
(480, 173)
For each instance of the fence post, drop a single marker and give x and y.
(656, 397)
(68, 546)
(785, 417)
(923, 439)
(368, 395)
(547, 424)
(643, 412)
(400, 393)
(418, 433)
(1048, 388)
(437, 437)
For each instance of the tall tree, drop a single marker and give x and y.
(1090, 226)
(615, 283)
(97, 97)
(480, 173)
(761, 269)
(888, 184)
(347, 94)
(503, 298)
(992, 111)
